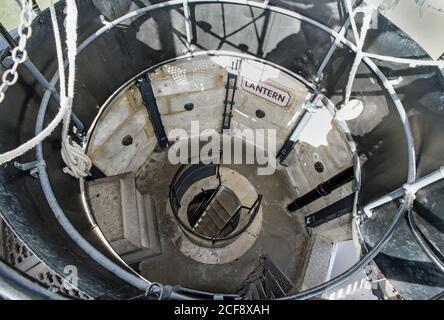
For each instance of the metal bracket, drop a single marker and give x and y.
(333, 211)
(310, 107)
(149, 99)
(32, 167)
(323, 189)
(230, 92)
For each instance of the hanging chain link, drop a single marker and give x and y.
(18, 54)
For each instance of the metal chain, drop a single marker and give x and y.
(18, 54)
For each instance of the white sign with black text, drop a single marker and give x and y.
(266, 91)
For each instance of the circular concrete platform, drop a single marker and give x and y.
(282, 236)
(247, 195)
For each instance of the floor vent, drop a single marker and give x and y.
(19, 256)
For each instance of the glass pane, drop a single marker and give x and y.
(9, 14)
(43, 4)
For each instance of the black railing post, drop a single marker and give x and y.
(7, 36)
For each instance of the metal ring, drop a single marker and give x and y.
(15, 55)
(12, 81)
(25, 32)
(152, 285)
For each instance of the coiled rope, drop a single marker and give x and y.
(77, 162)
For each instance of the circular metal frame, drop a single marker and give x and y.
(136, 280)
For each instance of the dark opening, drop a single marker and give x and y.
(214, 212)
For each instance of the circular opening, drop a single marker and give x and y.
(214, 212)
(260, 114)
(127, 140)
(188, 106)
(319, 167)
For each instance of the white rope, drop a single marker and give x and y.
(77, 162)
(351, 14)
(30, 144)
(368, 12)
(411, 62)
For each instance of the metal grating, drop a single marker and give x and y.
(266, 282)
(19, 256)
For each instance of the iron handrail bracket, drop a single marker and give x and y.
(408, 188)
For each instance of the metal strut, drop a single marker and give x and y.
(323, 189)
(32, 167)
(333, 211)
(309, 108)
(146, 90)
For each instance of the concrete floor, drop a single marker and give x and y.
(283, 238)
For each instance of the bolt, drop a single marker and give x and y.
(188, 106)
(319, 167)
(260, 114)
(127, 140)
(7, 62)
